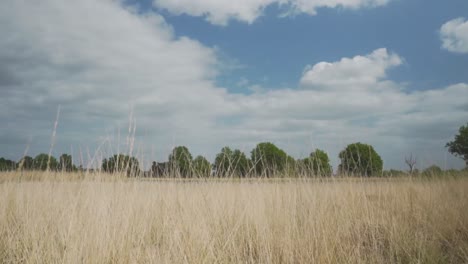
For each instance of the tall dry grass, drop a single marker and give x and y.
(94, 219)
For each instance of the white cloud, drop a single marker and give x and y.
(219, 12)
(360, 72)
(454, 35)
(103, 70)
(353, 100)
(98, 59)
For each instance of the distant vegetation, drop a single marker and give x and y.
(40, 162)
(266, 160)
(6, 165)
(121, 163)
(459, 146)
(360, 159)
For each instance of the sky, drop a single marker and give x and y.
(98, 77)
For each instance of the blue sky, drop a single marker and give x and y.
(303, 74)
(273, 51)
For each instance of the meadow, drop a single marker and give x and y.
(50, 217)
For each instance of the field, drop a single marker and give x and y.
(71, 218)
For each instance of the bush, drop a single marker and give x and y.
(432, 171)
(393, 173)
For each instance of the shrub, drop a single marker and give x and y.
(432, 171)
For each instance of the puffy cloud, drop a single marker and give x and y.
(99, 60)
(454, 35)
(219, 12)
(353, 100)
(101, 71)
(360, 72)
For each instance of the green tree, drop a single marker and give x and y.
(241, 164)
(224, 162)
(202, 167)
(231, 163)
(159, 169)
(44, 162)
(66, 163)
(180, 161)
(268, 159)
(432, 171)
(459, 146)
(318, 163)
(303, 167)
(290, 167)
(453, 172)
(7, 165)
(121, 164)
(26, 163)
(360, 159)
(393, 173)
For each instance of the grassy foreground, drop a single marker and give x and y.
(101, 220)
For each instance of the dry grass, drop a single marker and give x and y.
(86, 219)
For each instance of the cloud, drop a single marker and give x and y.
(99, 70)
(454, 35)
(360, 72)
(353, 100)
(130, 74)
(221, 11)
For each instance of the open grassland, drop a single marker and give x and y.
(68, 218)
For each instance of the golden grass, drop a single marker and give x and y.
(71, 218)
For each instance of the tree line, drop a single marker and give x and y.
(40, 162)
(265, 160)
